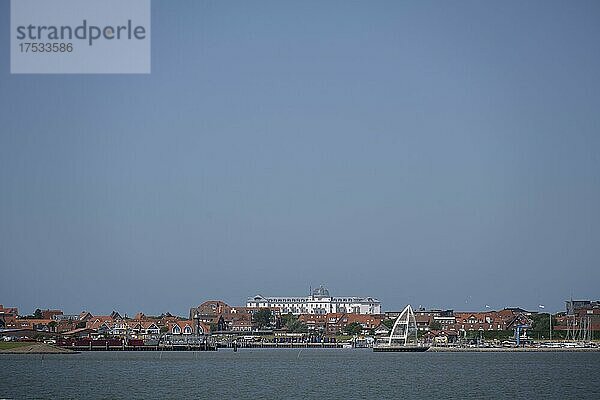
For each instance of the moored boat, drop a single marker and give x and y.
(409, 348)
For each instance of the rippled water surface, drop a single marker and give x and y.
(300, 374)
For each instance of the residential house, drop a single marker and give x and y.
(34, 324)
(382, 330)
(7, 315)
(188, 327)
(50, 314)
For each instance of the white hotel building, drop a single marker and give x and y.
(319, 302)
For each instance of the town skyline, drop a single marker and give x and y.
(468, 305)
(318, 315)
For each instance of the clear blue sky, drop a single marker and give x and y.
(444, 154)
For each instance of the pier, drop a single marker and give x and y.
(297, 345)
(143, 348)
(191, 344)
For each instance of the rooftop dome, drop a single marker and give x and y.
(321, 291)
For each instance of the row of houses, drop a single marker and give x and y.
(43, 321)
(503, 320)
(210, 316)
(140, 326)
(217, 316)
(426, 320)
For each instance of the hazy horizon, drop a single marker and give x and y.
(432, 153)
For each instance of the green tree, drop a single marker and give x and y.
(435, 325)
(287, 319)
(262, 317)
(389, 323)
(353, 329)
(491, 335)
(541, 326)
(37, 314)
(295, 326)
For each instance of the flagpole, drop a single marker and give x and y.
(549, 313)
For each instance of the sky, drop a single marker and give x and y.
(442, 154)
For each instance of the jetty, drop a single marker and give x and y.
(119, 344)
(289, 345)
(38, 348)
(514, 349)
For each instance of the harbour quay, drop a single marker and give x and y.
(120, 344)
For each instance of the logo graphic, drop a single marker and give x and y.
(80, 36)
